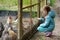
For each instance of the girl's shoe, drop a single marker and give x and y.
(48, 34)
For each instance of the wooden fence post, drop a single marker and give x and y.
(20, 27)
(38, 9)
(46, 2)
(31, 22)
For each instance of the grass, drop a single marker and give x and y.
(13, 4)
(42, 37)
(27, 2)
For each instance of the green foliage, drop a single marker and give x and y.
(9, 2)
(26, 2)
(13, 4)
(34, 14)
(52, 2)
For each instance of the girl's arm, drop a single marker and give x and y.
(46, 23)
(41, 19)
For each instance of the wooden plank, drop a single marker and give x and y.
(31, 22)
(30, 6)
(31, 32)
(46, 2)
(20, 28)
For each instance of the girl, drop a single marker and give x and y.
(9, 33)
(48, 23)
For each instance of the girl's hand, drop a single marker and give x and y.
(38, 18)
(9, 28)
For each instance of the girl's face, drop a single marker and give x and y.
(9, 20)
(44, 12)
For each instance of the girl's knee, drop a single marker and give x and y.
(38, 28)
(41, 29)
